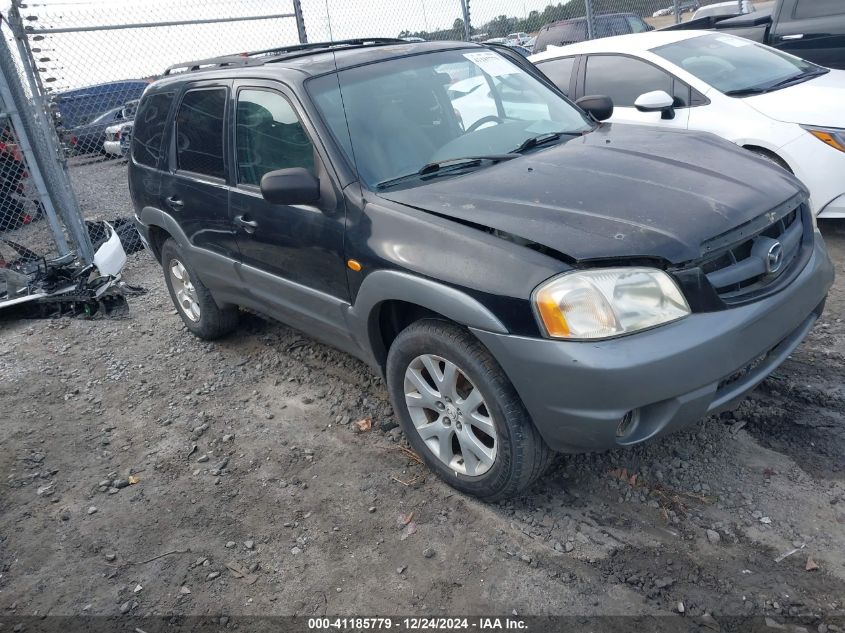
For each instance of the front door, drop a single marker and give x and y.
(291, 255)
(623, 79)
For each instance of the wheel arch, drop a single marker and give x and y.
(389, 301)
(771, 154)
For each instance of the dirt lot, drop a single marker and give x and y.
(255, 495)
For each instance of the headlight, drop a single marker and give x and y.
(607, 302)
(832, 136)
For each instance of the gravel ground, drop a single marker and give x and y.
(146, 472)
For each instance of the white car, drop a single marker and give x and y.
(783, 108)
(518, 38)
(475, 105)
(112, 145)
(722, 9)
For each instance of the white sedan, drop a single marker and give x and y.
(785, 109)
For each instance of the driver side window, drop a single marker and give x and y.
(623, 79)
(268, 136)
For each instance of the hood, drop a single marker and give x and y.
(621, 191)
(814, 102)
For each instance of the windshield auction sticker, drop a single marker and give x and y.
(492, 63)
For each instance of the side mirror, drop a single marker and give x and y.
(290, 186)
(656, 101)
(597, 106)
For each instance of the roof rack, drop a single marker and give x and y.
(275, 54)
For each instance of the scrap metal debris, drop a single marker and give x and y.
(36, 287)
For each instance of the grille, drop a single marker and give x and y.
(754, 262)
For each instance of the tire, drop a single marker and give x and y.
(194, 303)
(496, 466)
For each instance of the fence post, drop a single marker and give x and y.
(46, 158)
(677, 11)
(9, 105)
(588, 5)
(467, 26)
(300, 22)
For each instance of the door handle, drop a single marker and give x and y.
(175, 203)
(247, 225)
(797, 36)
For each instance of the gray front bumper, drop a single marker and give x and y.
(578, 392)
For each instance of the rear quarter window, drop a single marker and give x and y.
(559, 71)
(148, 134)
(199, 132)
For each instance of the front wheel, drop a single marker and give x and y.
(460, 412)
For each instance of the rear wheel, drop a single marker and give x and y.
(193, 301)
(460, 412)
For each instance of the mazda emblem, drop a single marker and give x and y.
(774, 257)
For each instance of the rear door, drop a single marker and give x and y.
(624, 79)
(812, 29)
(194, 190)
(292, 255)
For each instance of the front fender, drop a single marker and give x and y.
(390, 285)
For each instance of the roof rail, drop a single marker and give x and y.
(263, 56)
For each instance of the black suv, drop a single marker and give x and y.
(527, 279)
(574, 30)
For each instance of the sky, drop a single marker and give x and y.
(70, 60)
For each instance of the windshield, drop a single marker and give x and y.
(736, 66)
(406, 113)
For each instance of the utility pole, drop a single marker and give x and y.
(467, 26)
(300, 22)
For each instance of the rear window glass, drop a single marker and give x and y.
(199, 132)
(560, 34)
(149, 128)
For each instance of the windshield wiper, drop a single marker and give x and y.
(446, 165)
(783, 83)
(804, 76)
(540, 139)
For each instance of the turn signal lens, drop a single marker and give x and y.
(607, 302)
(834, 137)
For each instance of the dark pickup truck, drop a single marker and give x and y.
(811, 29)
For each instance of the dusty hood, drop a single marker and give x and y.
(621, 191)
(819, 101)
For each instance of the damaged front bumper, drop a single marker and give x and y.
(585, 396)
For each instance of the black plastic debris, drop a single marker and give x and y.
(32, 286)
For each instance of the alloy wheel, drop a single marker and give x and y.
(186, 294)
(450, 415)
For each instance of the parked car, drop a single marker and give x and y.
(723, 9)
(524, 282)
(74, 108)
(520, 49)
(663, 12)
(787, 110)
(114, 145)
(575, 29)
(126, 138)
(89, 138)
(519, 38)
(811, 29)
